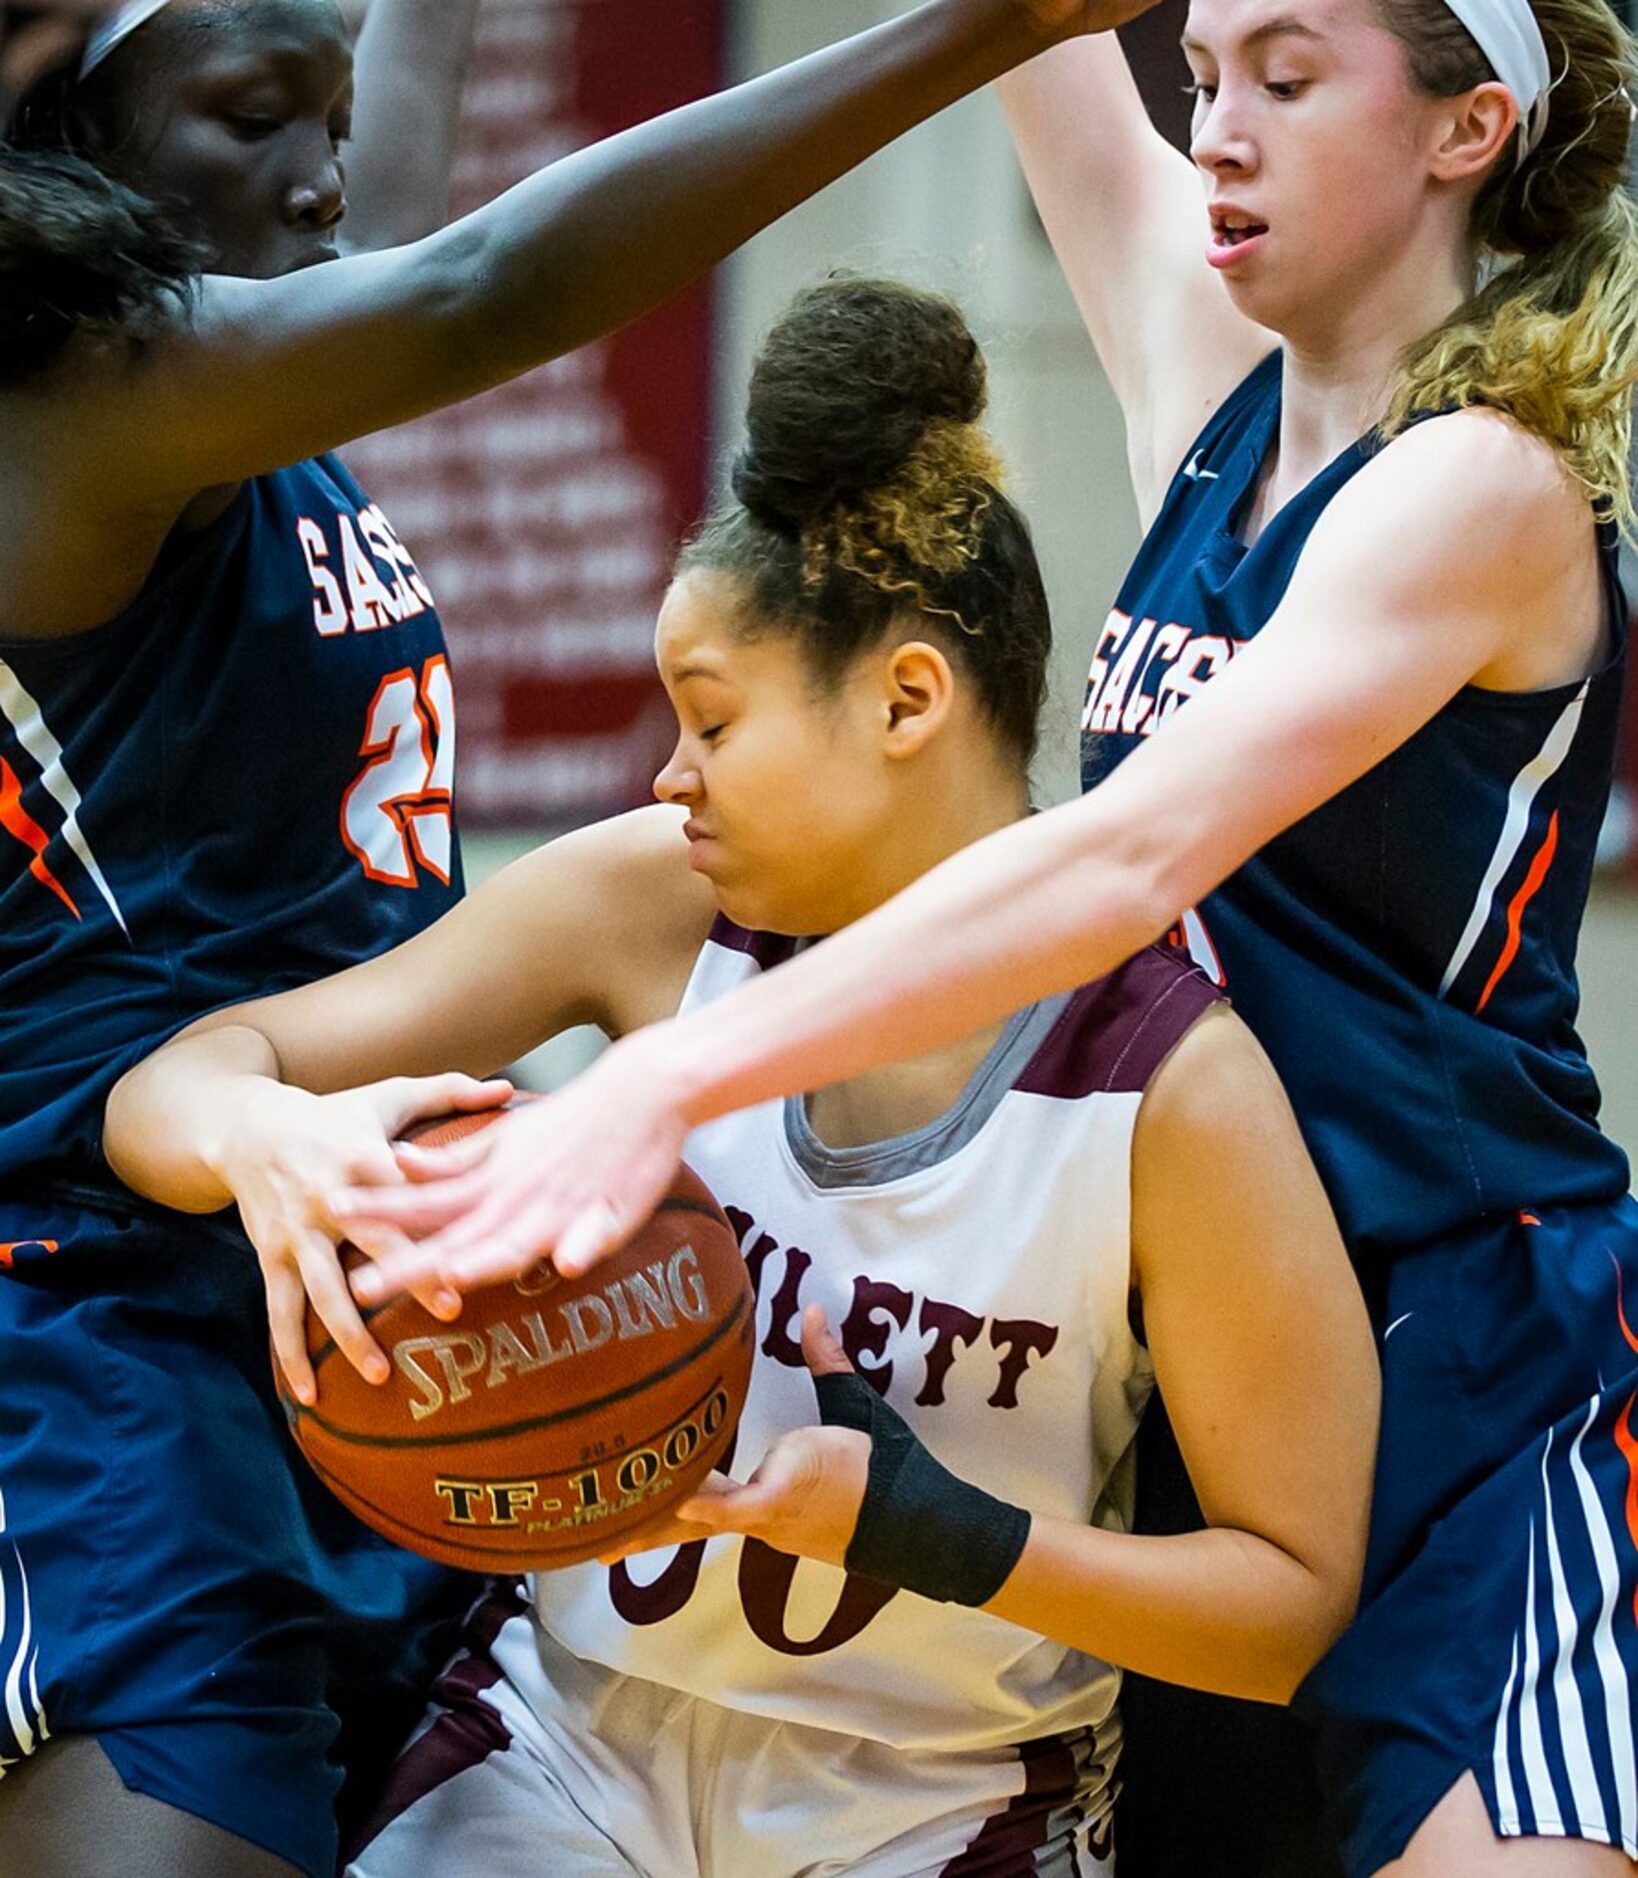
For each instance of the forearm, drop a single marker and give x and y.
(411, 69)
(1048, 904)
(165, 1118)
(604, 235)
(1220, 1610)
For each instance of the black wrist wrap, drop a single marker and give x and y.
(920, 1527)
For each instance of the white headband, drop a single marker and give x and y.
(1510, 38)
(116, 29)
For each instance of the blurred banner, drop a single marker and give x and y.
(545, 515)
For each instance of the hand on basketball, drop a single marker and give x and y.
(570, 1177)
(805, 1496)
(281, 1151)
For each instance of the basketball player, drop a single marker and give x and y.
(221, 678)
(1002, 1232)
(1356, 707)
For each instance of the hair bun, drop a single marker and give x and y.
(847, 384)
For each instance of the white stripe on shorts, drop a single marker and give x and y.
(23, 1709)
(1588, 1771)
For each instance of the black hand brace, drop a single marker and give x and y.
(920, 1527)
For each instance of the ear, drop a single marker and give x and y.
(919, 693)
(1474, 131)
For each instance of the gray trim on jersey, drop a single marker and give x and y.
(876, 1162)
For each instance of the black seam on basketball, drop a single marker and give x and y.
(329, 1346)
(448, 1439)
(706, 1209)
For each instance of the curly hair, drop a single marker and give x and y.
(867, 496)
(1551, 335)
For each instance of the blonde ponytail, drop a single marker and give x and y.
(1551, 337)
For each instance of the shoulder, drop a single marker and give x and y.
(1114, 1034)
(1216, 1116)
(1476, 488)
(637, 908)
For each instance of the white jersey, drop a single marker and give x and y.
(978, 1273)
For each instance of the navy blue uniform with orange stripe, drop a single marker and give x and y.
(238, 784)
(1406, 955)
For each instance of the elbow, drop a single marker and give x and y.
(1137, 884)
(459, 293)
(1331, 1609)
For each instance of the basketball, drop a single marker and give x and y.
(553, 1418)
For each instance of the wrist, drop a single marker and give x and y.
(671, 1061)
(237, 1127)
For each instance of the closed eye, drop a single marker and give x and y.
(249, 129)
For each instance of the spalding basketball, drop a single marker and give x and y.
(552, 1419)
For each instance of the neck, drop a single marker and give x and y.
(947, 808)
(1339, 374)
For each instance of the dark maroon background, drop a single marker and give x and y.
(549, 607)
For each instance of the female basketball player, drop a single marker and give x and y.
(225, 753)
(1399, 644)
(857, 654)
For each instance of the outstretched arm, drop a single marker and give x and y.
(567, 256)
(1369, 643)
(410, 72)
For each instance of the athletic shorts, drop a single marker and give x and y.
(1498, 1632)
(594, 1774)
(173, 1580)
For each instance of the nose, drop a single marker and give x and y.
(678, 783)
(316, 198)
(1219, 143)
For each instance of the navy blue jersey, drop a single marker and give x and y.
(238, 784)
(1406, 953)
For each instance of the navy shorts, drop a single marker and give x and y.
(1498, 1632)
(173, 1580)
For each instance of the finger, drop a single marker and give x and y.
(823, 1353)
(415, 1209)
(416, 1098)
(394, 1273)
(327, 1286)
(421, 1163)
(592, 1234)
(655, 1538)
(287, 1320)
(481, 1254)
(437, 1299)
(469, 1094)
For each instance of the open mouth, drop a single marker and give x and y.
(1232, 228)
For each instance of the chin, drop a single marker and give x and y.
(760, 913)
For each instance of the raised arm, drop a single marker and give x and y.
(266, 372)
(1127, 219)
(1369, 643)
(410, 72)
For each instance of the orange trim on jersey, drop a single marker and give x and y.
(9, 1252)
(1515, 913)
(18, 823)
(1627, 1330)
(1528, 1219)
(1627, 1442)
